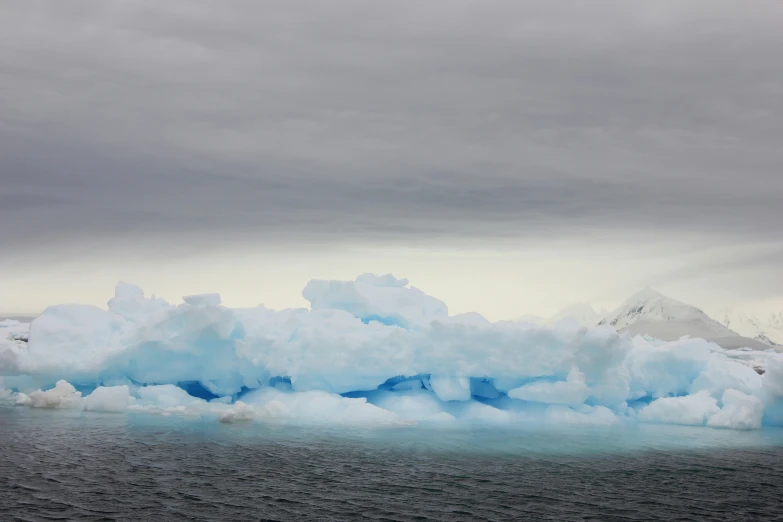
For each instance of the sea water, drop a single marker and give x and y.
(64, 465)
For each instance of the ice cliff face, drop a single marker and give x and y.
(376, 350)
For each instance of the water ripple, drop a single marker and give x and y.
(58, 468)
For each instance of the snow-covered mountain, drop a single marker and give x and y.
(767, 329)
(651, 313)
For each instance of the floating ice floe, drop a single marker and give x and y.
(375, 351)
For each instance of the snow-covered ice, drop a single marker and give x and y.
(62, 395)
(740, 411)
(375, 351)
(694, 410)
(108, 399)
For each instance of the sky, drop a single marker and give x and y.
(508, 157)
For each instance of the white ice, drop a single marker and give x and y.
(376, 351)
(693, 410)
(62, 396)
(108, 399)
(740, 411)
(572, 392)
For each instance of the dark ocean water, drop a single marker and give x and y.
(78, 466)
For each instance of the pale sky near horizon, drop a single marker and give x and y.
(508, 157)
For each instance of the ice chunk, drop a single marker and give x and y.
(573, 391)
(375, 298)
(62, 396)
(10, 354)
(382, 280)
(202, 299)
(408, 385)
(772, 391)
(166, 396)
(483, 388)
(692, 410)
(722, 373)
(477, 412)
(773, 376)
(417, 405)
(130, 304)
(126, 291)
(108, 399)
(612, 389)
(14, 330)
(320, 407)
(240, 412)
(666, 369)
(740, 412)
(67, 339)
(451, 388)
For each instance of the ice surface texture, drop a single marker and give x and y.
(374, 350)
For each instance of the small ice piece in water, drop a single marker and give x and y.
(108, 399)
(192, 411)
(740, 412)
(319, 407)
(240, 412)
(166, 396)
(690, 410)
(417, 405)
(274, 410)
(62, 396)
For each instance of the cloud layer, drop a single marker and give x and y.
(366, 122)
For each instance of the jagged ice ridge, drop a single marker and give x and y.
(373, 351)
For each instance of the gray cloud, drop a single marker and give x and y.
(355, 121)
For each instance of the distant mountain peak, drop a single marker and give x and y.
(768, 330)
(648, 312)
(651, 305)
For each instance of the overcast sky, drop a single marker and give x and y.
(507, 156)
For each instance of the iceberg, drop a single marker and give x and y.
(373, 351)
